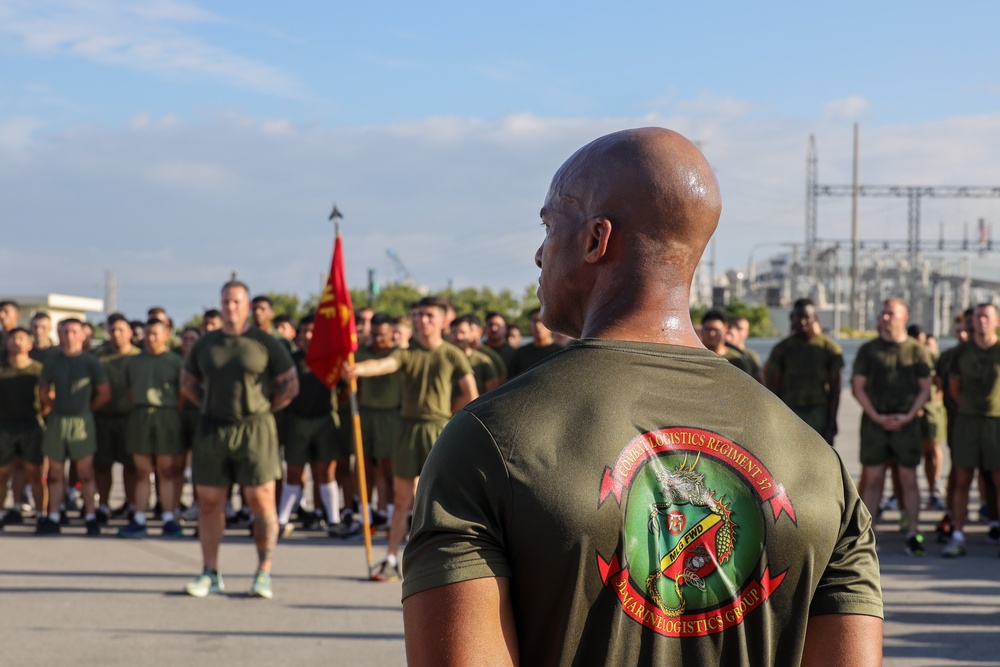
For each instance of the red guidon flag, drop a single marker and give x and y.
(335, 335)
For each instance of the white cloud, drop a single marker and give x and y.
(174, 207)
(16, 133)
(851, 108)
(146, 36)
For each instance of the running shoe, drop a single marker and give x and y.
(387, 572)
(935, 503)
(954, 549)
(102, 517)
(191, 513)
(889, 504)
(345, 529)
(915, 545)
(285, 530)
(994, 533)
(261, 587)
(12, 518)
(93, 529)
(133, 529)
(944, 529)
(47, 526)
(172, 529)
(207, 583)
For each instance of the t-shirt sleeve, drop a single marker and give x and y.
(279, 360)
(191, 363)
(836, 362)
(861, 362)
(461, 511)
(460, 363)
(775, 360)
(851, 583)
(925, 364)
(98, 373)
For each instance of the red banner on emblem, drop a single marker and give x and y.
(698, 442)
(334, 333)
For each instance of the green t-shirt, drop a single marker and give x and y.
(506, 352)
(314, 398)
(427, 377)
(155, 379)
(978, 370)
(383, 392)
(483, 370)
(527, 356)
(739, 358)
(74, 379)
(635, 494)
(43, 355)
(19, 393)
(943, 370)
(805, 367)
(116, 366)
(893, 371)
(498, 363)
(236, 372)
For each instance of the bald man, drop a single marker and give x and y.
(631, 500)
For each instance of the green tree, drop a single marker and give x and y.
(760, 321)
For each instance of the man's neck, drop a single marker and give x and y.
(890, 337)
(986, 341)
(235, 329)
(429, 343)
(19, 360)
(123, 349)
(72, 353)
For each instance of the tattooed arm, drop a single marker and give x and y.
(284, 388)
(191, 388)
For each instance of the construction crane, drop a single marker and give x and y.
(406, 278)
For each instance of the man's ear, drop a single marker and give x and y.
(598, 236)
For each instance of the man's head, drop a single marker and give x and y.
(235, 306)
(402, 331)
(73, 335)
(514, 336)
(157, 335)
(159, 313)
(41, 329)
(263, 312)
(541, 335)
(18, 341)
(189, 337)
(10, 313)
(304, 332)
(88, 335)
(431, 312)
(463, 333)
(211, 320)
(496, 329)
(283, 325)
(739, 330)
(383, 329)
(363, 324)
(626, 220)
(803, 319)
(139, 331)
(713, 330)
(892, 321)
(119, 332)
(985, 321)
(917, 332)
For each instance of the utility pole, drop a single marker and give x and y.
(854, 236)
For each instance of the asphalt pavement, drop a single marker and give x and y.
(82, 601)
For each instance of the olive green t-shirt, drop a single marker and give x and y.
(43, 355)
(943, 370)
(483, 370)
(427, 377)
(506, 352)
(978, 370)
(19, 393)
(893, 371)
(236, 372)
(155, 379)
(805, 367)
(383, 392)
(498, 363)
(314, 398)
(738, 358)
(528, 355)
(116, 365)
(73, 378)
(642, 502)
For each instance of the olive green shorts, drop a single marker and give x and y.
(155, 431)
(413, 445)
(244, 452)
(933, 423)
(69, 436)
(112, 440)
(977, 442)
(309, 439)
(21, 440)
(814, 415)
(379, 431)
(879, 446)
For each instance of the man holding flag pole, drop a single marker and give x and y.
(333, 344)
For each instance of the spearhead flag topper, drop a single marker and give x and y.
(335, 335)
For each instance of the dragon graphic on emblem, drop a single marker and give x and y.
(689, 560)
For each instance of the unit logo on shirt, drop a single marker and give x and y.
(694, 530)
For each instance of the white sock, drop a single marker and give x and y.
(290, 497)
(55, 516)
(105, 509)
(330, 493)
(168, 516)
(390, 560)
(140, 518)
(958, 536)
(389, 511)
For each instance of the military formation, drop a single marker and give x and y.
(232, 411)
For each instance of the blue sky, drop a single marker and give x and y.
(175, 141)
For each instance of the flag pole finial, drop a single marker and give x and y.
(336, 216)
